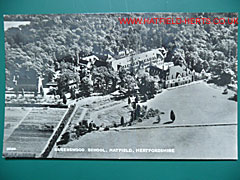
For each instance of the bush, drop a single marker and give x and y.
(106, 128)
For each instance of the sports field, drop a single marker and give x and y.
(31, 130)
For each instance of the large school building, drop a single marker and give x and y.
(154, 57)
(153, 62)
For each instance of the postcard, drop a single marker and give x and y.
(121, 86)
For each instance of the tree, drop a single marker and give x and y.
(56, 36)
(146, 83)
(16, 92)
(122, 121)
(129, 83)
(64, 99)
(132, 69)
(86, 86)
(129, 101)
(136, 99)
(48, 75)
(179, 57)
(62, 83)
(104, 75)
(23, 93)
(172, 116)
(42, 91)
(73, 93)
(138, 110)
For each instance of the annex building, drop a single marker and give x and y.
(178, 75)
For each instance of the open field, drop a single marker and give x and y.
(195, 104)
(189, 143)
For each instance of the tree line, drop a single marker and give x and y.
(48, 38)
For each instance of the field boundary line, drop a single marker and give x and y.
(51, 154)
(58, 128)
(174, 126)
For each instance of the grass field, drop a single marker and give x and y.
(12, 117)
(30, 136)
(195, 104)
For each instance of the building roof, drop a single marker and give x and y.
(83, 61)
(71, 82)
(126, 60)
(100, 63)
(174, 71)
(165, 66)
(51, 84)
(90, 58)
(203, 71)
(104, 57)
(68, 58)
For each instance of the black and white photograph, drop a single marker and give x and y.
(159, 86)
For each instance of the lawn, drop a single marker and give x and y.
(194, 104)
(198, 103)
